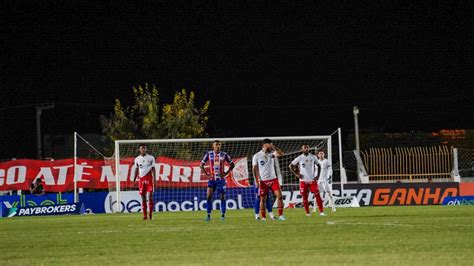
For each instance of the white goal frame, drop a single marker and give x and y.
(199, 140)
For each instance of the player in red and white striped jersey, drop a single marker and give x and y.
(216, 175)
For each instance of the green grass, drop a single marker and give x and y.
(423, 235)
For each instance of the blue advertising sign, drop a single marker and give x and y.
(460, 200)
(73, 208)
(181, 199)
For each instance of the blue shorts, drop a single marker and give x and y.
(218, 184)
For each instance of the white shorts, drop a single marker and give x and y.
(324, 186)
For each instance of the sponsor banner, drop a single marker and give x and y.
(180, 200)
(73, 208)
(391, 194)
(23, 201)
(346, 202)
(466, 189)
(460, 200)
(58, 176)
(93, 201)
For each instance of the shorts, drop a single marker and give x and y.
(257, 193)
(145, 184)
(218, 184)
(306, 187)
(266, 186)
(325, 186)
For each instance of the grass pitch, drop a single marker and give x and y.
(423, 235)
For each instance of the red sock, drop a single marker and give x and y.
(263, 212)
(150, 205)
(280, 207)
(144, 209)
(319, 201)
(306, 204)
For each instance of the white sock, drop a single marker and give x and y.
(256, 216)
(271, 214)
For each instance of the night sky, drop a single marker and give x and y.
(268, 69)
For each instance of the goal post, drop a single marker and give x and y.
(181, 185)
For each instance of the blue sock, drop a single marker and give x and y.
(256, 205)
(209, 207)
(223, 206)
(269, 204)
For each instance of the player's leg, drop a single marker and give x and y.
(256, 204)
(210, 192)
(142, 192)
(304, 194)
(269, 205)
(221, 190)
(150, 204)
(279, 199)
(326, 187)
(315, 189)
(276, 190)
(263, 197)
(149, 191)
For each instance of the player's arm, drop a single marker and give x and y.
(136, 172)
(203, 169)
(329, 172)
(294, 169)
(33, 188)
(256, 174)
(153, 171)
(203, 162)
(231, 165)
(318, 172)
(278, 151)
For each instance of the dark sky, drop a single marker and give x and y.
(267, 68)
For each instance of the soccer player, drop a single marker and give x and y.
(325, 177)
(216, 175)
(304, 167)
(268, 203)
(263, 166)
(145, 170)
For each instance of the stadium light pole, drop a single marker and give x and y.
(355, 110)
(39, 109)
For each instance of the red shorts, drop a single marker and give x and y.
(145, 184)
(306, 187)
(265, 186)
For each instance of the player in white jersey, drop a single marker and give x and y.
(263, 166)
(325, 177)
(145, 171)
(306, 168)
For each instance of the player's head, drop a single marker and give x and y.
(38, 181)
(321, 154)
(216, 145)
(267, 145)
(142, 149)
(305, 148)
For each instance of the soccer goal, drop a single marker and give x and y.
(180, 184)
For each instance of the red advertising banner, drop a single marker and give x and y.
(58, 176)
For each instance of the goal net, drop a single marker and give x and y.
(181, 185)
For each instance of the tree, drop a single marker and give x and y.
(147, 119)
